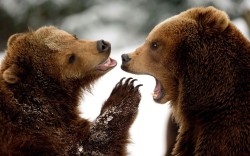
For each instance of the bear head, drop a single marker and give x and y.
(173, 46)
(57, 54)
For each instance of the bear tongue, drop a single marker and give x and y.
(157, 90)
(109, 63)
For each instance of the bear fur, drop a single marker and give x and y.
(42, 78)
(201, 63)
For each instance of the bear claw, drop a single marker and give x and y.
(138, 86)
(128, 84)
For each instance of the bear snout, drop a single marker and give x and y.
(103, 46)
(125, 58)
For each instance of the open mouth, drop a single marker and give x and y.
(158, 91)
(109, 63)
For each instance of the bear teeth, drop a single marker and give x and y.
(154, 95)
(158, 90)
(109, 63)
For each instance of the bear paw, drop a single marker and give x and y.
(125, 94)
(117, 115)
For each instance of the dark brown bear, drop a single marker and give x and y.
(42, 79)
(201, 63)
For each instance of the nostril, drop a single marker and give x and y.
(103, 46)
(125, 58)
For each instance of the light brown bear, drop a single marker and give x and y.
(201, 64)
(42, 79)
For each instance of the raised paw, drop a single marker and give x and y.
(124, 93)
(116, 117)
(126, 90)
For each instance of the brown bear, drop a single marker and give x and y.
(201, 64)
(42, 78)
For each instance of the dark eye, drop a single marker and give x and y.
(75, 36)
(72, 58)
(154, 45)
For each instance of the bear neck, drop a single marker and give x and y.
(216, 79)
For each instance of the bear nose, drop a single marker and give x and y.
(125, 58)
(103, 46)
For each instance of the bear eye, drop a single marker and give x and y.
(71, 58)
(75, 36)
(154, 45)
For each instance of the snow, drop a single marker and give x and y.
(1, 56)
(244, 6)
(95, 24)
(18, 8)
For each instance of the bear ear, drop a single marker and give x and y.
(13, 39)
(12, 74)
(211, 21)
